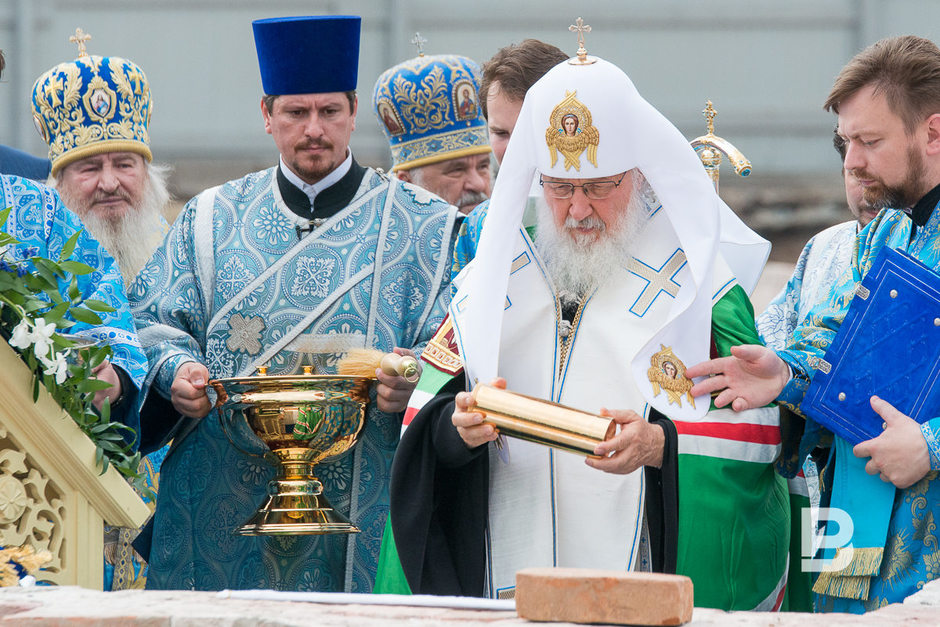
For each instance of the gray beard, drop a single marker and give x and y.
(132, 238)
(578, 267)
(467, 199)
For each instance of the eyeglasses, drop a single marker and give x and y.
(595, 190)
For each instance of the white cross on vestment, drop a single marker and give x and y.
(659, 280)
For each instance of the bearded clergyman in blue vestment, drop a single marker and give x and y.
(887, 99)
(43, 225)
(286, 267)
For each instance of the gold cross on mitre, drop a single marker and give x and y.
(419, 41)
(80, 37)
(580, 27)
(134, 76)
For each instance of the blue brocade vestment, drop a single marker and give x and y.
(236, 286)
(911, 551)
(42, 224)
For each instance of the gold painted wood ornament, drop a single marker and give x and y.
(540, 421)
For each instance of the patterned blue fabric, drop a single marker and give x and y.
(931, 431)
(912, 552)
(90, 106)
(42, 224)
(123, 567)
(823, 260)
(429, 111)
(227, 290)
(826, 256)
(469, 234)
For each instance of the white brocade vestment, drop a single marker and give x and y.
(547, 507)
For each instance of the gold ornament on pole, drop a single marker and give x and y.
(710, 148)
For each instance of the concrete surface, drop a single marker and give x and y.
(56, 606)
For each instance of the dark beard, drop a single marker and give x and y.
(901, 196)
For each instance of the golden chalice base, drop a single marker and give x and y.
(298, 505)
(303, 420)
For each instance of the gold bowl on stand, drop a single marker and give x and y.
(303, 420)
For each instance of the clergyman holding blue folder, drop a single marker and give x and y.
(887, 99)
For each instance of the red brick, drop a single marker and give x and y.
(582, 595)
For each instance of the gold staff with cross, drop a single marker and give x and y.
(710, 148)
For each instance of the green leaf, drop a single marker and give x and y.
(109, 446)
(56, 298)
(91, 385)
(98, 305)
(56, 313)
(49, 270)
(39, 293)
(85, 315)
(69, 247)
(110, 436)
(75, 295)
(34, 306)
(76, 267)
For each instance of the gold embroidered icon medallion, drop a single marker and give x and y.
(668, 373)
(571, 132)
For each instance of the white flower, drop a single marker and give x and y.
(22, 336)
(42, 336)
(58, 366)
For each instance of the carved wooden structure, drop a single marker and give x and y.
(52, 494)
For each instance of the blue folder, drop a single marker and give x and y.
(888, 345)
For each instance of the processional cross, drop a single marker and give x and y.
(710, 113)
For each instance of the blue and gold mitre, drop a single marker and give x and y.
(429, 109)
(314, 54)
(92, 105)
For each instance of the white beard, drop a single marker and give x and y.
(578, 264)
(132, 238)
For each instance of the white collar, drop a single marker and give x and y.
(312, 189)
